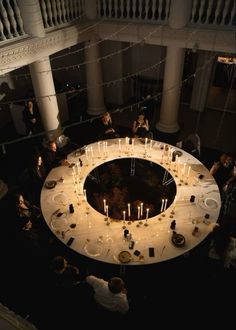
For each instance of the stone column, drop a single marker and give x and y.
(94, 78)
(171, 90)
(90, 9)
(202, 80)
(32, 18)
(180, 11)
(44, 90)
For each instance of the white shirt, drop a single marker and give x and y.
(104, 297)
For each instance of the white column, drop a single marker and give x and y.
(32, 17)
(180, 11)
(171, 90)
(202, 80)
(94, 78)
(44, 90)
(90, 9)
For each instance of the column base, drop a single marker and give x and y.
(167, 128)
(170, 138)
(95, 111)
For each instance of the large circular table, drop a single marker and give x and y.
(102, 238)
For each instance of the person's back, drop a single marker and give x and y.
(111, 295)
(223, 246)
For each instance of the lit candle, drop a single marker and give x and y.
(189, 168)
(150, 144)
(166, 200)
(119, 144)
(126, 141)
(145, 146)
(86, 153)
(138, 212)
(85, 195)
(147, 211)
(129, 210)
(162, 204)
(141, 210)
(104, 205)
(107, 210)
(74, 177)
(99, 148)
(184, 168)
(123, 215)
(91, 149)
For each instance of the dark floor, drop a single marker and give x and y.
(186, 292)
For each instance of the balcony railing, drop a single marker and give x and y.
(214, 14)
(57, 13)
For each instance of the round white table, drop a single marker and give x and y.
(101, 238)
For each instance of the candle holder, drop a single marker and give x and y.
(146, 224)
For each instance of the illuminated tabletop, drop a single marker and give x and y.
(100, 237)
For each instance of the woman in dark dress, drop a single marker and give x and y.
(141, 127)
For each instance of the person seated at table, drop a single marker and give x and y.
(228, 207)
(141, 127)
(223, 246)
(221, 169)
(65, 274)
(52, 157)
(111, 295)
(106, 127)
(24, 208)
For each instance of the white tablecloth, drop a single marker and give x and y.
(102, 239)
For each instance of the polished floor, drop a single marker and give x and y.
(186, 292)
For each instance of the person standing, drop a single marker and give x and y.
(30, 118)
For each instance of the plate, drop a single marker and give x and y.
(59, 223)
(50, 184)
(178, 240)
(124, 257)
(210, 203)
(60, 198)
(93, 249)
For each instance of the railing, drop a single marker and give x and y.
(137, 10)
(59, 12)
(212, 14)
(11, 24)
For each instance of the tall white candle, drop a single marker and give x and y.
(99, 148)
(85, 195)
(138, 212)
(91, 149)
(189, 168)
(104, 206)
(129, 210)
(119, 144)
(123, 215)
(145, 145)
(150, 144)
(166, 200)
(107, 210)
(147, 212)
(162, 204)
(141, 210)
(184, 168)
